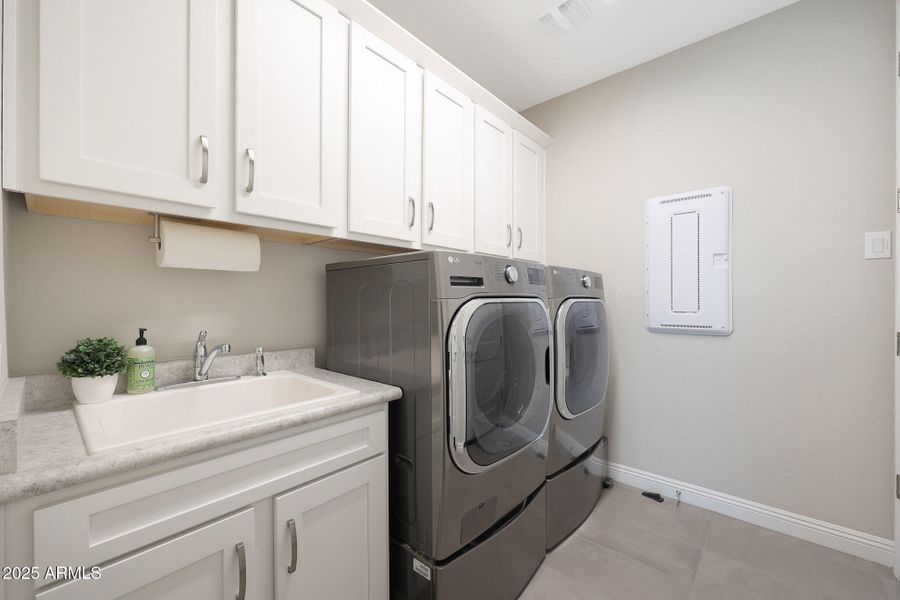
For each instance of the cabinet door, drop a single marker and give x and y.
(528, 198)
(291, 58)
(448, 167)
(127, 97)
(203, 564)
(385, 139)
(493, 184)
(334, 534)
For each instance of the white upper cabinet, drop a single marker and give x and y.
(385, 139)
(448, 166)
(127, 99)
(493, 184)
(291, 63)
(528, 198)
(281, 114)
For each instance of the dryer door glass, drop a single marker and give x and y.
(583, 355)
(505, 377)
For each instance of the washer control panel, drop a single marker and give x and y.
(460, 275)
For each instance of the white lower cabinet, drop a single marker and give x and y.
(327, 543)
(219, 527)
(208, 563)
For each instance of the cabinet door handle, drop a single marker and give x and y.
(204, 151)
(292, 528)
(412, 204)
(431, 223)
(521, 237)
(242, 571)
(508, 235)
(251, 177)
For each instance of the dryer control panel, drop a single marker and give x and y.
(565, 282)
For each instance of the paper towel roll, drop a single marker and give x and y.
(186, 246)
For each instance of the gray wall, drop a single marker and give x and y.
(4, 253)
(794, 111)
(69, 278)
(4, 228)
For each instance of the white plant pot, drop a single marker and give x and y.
(93, 390)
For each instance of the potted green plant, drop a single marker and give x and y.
(93, 365)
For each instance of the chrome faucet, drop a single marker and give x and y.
(260, 363)
(203, 360)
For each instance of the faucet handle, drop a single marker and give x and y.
(260, 362)
(201, 337)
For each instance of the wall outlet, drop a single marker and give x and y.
(878, 244)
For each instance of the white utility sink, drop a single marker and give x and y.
(127, 420)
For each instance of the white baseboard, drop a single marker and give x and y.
(836, 537)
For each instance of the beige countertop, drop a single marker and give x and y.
(51, 454)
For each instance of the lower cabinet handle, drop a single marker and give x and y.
(204, 148)
(431, 223)
(251, 178)
(412, 220)
(508, 235)
(521, 237)
(292, 528)
(242, 571)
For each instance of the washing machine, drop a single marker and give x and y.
(468, 339)
(576, 447)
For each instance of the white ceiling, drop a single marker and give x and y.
(498, 43)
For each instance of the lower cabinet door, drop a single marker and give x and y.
(207, 563)
(331, 537)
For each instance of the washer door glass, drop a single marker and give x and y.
(583, 349)
(505, 375)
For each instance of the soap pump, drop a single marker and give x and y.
(141, 366)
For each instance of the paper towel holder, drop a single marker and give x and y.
(155, 239)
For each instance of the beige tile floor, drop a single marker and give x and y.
(632, 548)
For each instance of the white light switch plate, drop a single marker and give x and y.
(878, 244)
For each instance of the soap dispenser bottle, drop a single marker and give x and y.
(141, 366)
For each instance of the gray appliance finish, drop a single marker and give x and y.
(468, 339)
(576, 455)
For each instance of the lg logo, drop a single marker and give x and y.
(452, 259)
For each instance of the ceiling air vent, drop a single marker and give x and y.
(564, 17)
